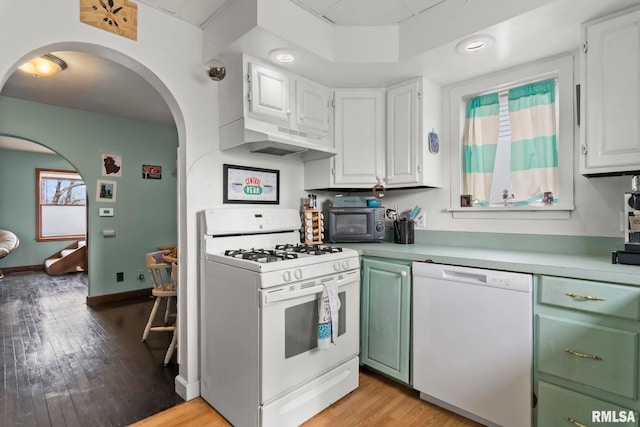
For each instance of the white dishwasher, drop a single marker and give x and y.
(472, 342)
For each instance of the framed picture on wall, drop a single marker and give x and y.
(111, 165)
(106, 191)
(151, 172)
(242, 184)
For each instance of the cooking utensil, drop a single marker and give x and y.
(415, 212)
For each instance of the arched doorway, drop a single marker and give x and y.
(83, 138)
(169, 56)
(33, 180)
(83, 127)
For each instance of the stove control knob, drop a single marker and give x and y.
(286, 276)
(345, 265)
(336, 266)
(297, 274)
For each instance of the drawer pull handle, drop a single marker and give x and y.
(587, 297)
(574, 422)
(582, 355)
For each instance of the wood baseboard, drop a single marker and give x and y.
(121, 296)
(100, 299)
(22, 269)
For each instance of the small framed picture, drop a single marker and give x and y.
(250, 185)
(106, 191)
(151, 172)
(111, 165)
(465, 201)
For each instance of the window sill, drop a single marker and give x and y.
(512, 212)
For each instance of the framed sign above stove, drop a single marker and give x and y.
(250, 185)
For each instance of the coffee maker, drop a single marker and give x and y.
(631, 253)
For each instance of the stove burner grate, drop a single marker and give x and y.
(311, 249)
(260, 255)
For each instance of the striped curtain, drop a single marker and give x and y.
(534, 153)
(480, 143)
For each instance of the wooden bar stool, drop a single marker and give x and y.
(162, 289)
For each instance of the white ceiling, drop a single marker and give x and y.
(195, 12)
(96, 84)
(10, 143)
(366, 12)
(99, 85)
(340, 12)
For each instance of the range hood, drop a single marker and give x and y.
(269, 138)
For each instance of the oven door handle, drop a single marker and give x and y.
(283, 294)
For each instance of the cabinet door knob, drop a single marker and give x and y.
(403, 273)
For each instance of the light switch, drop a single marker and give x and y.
(105, 211)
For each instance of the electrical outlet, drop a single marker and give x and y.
(120, 276)
(422, 221)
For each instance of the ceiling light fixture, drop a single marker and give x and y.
(283, 56)
(44, 66)
(475, 43)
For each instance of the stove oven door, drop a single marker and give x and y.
(289, 333)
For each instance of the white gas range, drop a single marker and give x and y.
(259, 289)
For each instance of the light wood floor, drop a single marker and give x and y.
(378, 401)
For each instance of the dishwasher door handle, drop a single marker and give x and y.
(464, 276)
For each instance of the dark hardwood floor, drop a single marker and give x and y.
(67, 364)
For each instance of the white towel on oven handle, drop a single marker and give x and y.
(328, 307)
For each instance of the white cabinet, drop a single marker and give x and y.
(610, 129)
(413, 110)
(403, 133)
(400, 157)
(269, 97)
(270, 110)
(313, 106)
(272, 98)
(359, 137)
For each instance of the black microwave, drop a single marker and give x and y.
(356, 224)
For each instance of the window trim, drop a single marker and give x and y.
(562, 68)
(39, 237)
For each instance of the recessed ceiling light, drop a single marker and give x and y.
(44, 66)
(283, 56)
(475, 43)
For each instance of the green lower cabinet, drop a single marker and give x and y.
(586, 353)
(559, 407)
(593, 355)
(386, 317)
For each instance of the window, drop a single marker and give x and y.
(61, 205)
(506, 174)
(510, 150)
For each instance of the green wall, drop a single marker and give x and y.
(18, 202)
(145, 210)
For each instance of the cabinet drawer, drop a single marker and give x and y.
(563, 408)
(597, 356)
(596, 297)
